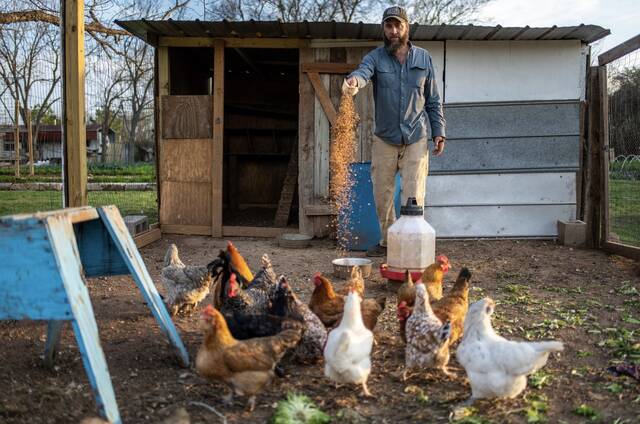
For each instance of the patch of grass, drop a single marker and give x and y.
(540, 378)
(420, 395)
(587, 412)
(614, 388)
(583, 353)
(129, 202)
(624, 210)
(536, 408)
(622, 344)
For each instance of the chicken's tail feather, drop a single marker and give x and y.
(445, 331)
(171, 258)
(551, 346)
(465, 274)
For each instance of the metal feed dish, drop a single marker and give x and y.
(342, 267)
(294, 240)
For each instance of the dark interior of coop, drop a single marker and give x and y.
(260, 127)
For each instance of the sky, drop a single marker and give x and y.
(622, 17)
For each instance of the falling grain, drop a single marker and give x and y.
(343, 153)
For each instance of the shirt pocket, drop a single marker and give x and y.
(418, 73)
(386, 76)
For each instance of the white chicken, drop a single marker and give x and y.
(427, 337)
(347, 354)
(495, 366)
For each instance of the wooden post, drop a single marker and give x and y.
(604, 152)
(593, 202)
(218, 139)
(29, 140)
(75, 144)
(306, 144)
(16, 135)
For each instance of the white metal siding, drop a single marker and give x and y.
(493, 71)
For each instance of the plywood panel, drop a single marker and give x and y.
(186, 161)
(186, 203)
(187, 117)
(502, 189)
(487, 71)
(498, 221)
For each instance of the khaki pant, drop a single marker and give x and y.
(413, 163)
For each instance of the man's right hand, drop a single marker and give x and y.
(350, 86)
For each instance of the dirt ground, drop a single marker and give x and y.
(586, 298)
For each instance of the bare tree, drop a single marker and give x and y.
(434, 12)
(29, 62)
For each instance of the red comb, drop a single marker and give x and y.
(442, 258)
(229, 244)
(208, 310)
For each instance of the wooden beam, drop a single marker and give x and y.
(620, 50)
(75, 144)
(332, 43)
(246, 43)
(319, 210)
(163, 71)
(306, 142)
(267, 232)
(622, 249)
(329, 68)
(29, 140)
(323, 97)
(604, 152)
(147, 237)
(249, 62)
(218, 139)
(200, 230)
(593, 210)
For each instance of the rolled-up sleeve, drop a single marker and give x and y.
(433, 104)
(365, 70)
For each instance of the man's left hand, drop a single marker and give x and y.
(439, 142)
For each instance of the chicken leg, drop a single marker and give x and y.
(365, 390)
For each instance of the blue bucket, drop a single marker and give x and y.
(363, 227)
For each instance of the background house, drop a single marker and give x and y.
(243, 105)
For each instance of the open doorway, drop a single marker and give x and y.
(260, 169)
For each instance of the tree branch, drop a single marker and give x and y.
(42, 16)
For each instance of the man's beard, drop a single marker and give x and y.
(394, 46)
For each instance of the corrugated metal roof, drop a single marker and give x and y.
(150, 30)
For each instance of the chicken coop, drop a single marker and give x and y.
(244, 111)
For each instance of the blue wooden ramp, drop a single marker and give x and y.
(46, 257)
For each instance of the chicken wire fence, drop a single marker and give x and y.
(119, 119)
(623, 88)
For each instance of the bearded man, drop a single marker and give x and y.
(406, 95)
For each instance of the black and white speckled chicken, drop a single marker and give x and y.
(185, 285)
(314, 336)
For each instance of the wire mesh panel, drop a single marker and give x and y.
(30, 128)
(118, 105)
(624, 149)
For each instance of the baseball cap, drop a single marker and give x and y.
(395, 12)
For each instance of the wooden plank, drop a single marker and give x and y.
(329, 68)
(604, 153)
(186, 203)
(52, 345)
(322, 134)
(29, 140)
(318, 210)
(218, 139)
(348, 43)
(187, 117)
(620, 50)
(186, 161)
(267, 232)
(147, 237)
(622, 249)
(200, 230)
(74, 105)
(323, 96)
(246, 43)
(305, 145)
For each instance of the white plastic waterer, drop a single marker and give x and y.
(411, 241)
